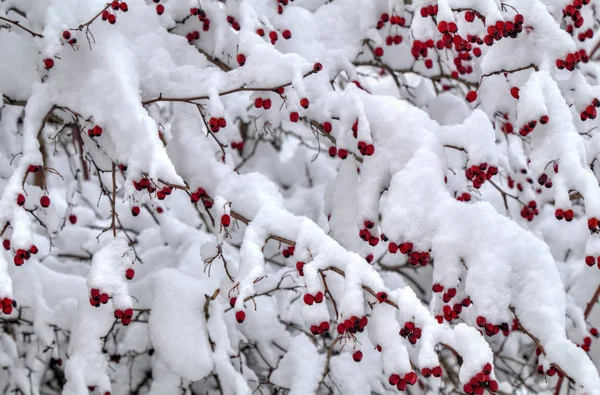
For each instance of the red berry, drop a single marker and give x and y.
(135, 211)
(319, 297)
(300, 267)
(481, 321)
(33, 249)
(437, 371)
(66, 35)
(286, 34)
(241, 59)
(232, 301)
(45, 201)
(592, 223)
(327, 128)
(73, 219)
(514, 91)
(225, 220)
(48, 63)
(471, 96)
(6, 244)
(317, 67)
(273, 36)
(240, 316)
(129, 273)
(381, 297)
(342, 153)
(309, 299)
(260, 32)
(332, 151)
(104, 298)
(266, 104)
(160, 9)
(569, 215)
(378, 52)
(294, 116)
(112, 19)
(304, 102)
(357, 356)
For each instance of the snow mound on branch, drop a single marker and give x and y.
(177, 324)
(301, 368)
(522, 277)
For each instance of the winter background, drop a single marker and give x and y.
(299, 197)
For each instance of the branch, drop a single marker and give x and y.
(16, 23)
(191, 99)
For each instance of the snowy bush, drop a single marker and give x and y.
(303, 197)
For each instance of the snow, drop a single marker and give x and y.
(176, 315)
(154, 93)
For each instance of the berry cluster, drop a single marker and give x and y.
(239, 145)
(7, 305)
(401, 383)
(572, 11)
(310, 299)
(201, 17)
(366, 235)
(191, 36)
(96, 131)
(561, 214)
(21, 255)
(464, 197)
(201, 194)
(491, 329)
(323, 327)
(264, 103)
(393, 19)
(590, 111)
(430, 10)
(235, 25)
(411, 332)
(66, 35)
(544, 180)
(480, 173)
(529, 126)
(481, 381)
(342, 153)
(504, 29)
(569, 62)
(589, 33)
(281, 4)
(530, 211)
(109, 14)
(435, 372)
(288, 252)
(216, 124)
(352, 325)
(550, 372)
(415, 258)
(124, 315)
(97, 297)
